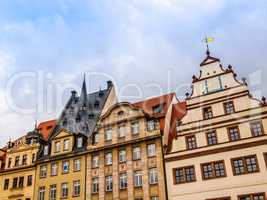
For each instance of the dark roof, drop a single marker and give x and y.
(82, 112)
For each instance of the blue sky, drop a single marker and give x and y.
(147, 47)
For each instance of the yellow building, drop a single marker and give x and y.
(219, 151)
(61, 164)
(125, 159)
(18, 175)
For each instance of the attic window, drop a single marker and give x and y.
(158, 108)
(83, 108)
(96, 105)
(101, 94)
(91, 115)
(78, 119)
(120, 113)
(65, 122)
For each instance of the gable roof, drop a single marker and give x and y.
(46, 128)
(208, 60)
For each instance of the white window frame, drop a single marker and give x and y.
(151, 150)
(135, 128)
(43, 171)
(76, 188)
(109, 183)
(153, 176)
(64, 190)
(54, 169)
(138, 179)
(45, 150)
(137, 153)
(95, 161)
(53, 192)
(79, 142)
(63, 167)
(66, 144)
(108, 134)
(121, 131)
(41, 193)
(122, 155)
(77, 164)
(123, 181)
(108, 158)
(96, 138)
(57, 146)
(95, 185)
(151, 125)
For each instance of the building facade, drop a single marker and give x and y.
(219, 151)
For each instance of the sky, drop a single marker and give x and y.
(146, 47)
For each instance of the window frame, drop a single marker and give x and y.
(203, 112)
(41, 171)
(57, 146)
(66, 145)
(66, 189)
(123, 156)
(6, 184)
(243, 158)
(139, 182)
(214, 176)
(79, 142)
(75, 169)
(252, 131)
(207, 137)
(135, 125)
(109, 183)
(63, 162)
(95, 185)
(93, 161)
(52, 169)
(41, 193)
(151, 152)
(139, 153)
(123, 177)
(225, 107)
(107, 162)
(53, 192)
(251, 195)
(265, 158)
(187, 143)
(108, 132)
(229, 134)
(76, 184)
(29, 180)
(121, 130)
(185, 180)
(153, 178)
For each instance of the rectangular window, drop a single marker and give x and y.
(211, 137)
(136, 153)
(33, 157)
(6, 184)
(24, 159)
(158, 108)
(77, 165)
(66, 167)
(233, 133)
(258, 196)
(138, 179)
(245, 165)
(155, 198)
(213, 170)
(29, 180)
(207, 113)
(151, 125)
(41, 193)
(121, 131)
(151, 150)
(184, 175)
(123, 181)
(135, 128)
(79, 142)
(64, 190)
(54, 169)
(66, 145)
(108, 158)
(108, 134)
(15, 183)
(53, 192)
(95, 185)
(57, 147)
(9, 162)
(229, 107)
(17, 161)
(21, 182)
(109, 184)
(256, 129)
(96, 138)
(43, 171)
(76, 188)
(45, 150)
(153, 176)
(95, 161)
(191, 142)
(122, 155)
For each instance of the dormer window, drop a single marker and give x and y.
(79, 142)
(96, 138)
(24, 159)
(57, 147)
(66, 145)
(45, 150)
(78, 119)
(96, 105)
(207, 113)
(91, 116)
(17, 161)
(158, 108)
(151, 125)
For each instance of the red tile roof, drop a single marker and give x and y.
(45, 128)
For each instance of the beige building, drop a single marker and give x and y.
(219, 151)
(125, 159)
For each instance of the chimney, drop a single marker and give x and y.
(109, 84)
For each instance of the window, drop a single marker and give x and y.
(229, 107)
(158, 108)
(233, 133)
(66, 166)
(21, 182)
(151, 150)
(245, 165)
(17, 161)
(256, 129)
(184, 175)
(109, 184)
(108, 158)
(259, 196)
(95, 161)
(136, 153)
(66, 145)
(135, 128)
(24, 159)
(64, 190)
(77, 165)
(207, 113)
(138, 179)
(213, 170)
(151, 125)
(96, 138)
(95, 185)
(53, 192)
(121, 131)
(265, 158)
(153, 176)
(57, 147)
(9, 162)
(45, 150)
(6, 184)
(108, 134)
(123, 181)
(79, 142)
(41, 193)
(29, 180)
(122, 155)
(43, 171)
(15, 182)
(191, 142)
(154, 198)
(33, 157)
(76, 188)
(54, 169)
(211, 137)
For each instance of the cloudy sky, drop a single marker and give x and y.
(147, 47)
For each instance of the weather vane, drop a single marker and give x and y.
(208, 40)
